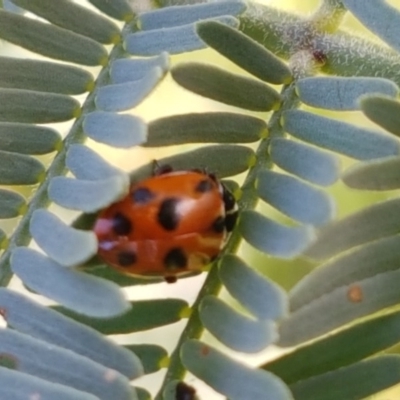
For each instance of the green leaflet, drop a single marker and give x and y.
(118, 9)
(262, 297)
(217, 127)
(223, 160)
(150, 355)
(50, 41)
(337, 93)
(234, 329)
(356, 381)
(372, 259)
(226, 87)
(378, 16)
(59, 365)
(40, 322)
(18, 105)
(19, 169)
(244, 52)
(11, 204)
(43, 76)
(19, 386)
(359, 341)
(72, 16)
(381, 174)
(384, 111)
(341, 306)
(229, 377)
(374, 222)
(74, 289)
(142, 315)
(28, 139)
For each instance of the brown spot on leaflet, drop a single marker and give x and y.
(205, 350)
(355, 294)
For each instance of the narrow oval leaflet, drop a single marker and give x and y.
(305, 161)
(339, 307)
(52, 327)
(65, 367)
(362, 262)
(102, 270)
(360, 341)
(73, 289)
(168, 17)
(226, 87)
(262, 297)
(381, 174)
(142, 394)
(142, 316)
(379, 17)
(218, 127)
(372, 223)
(50, 41)
(118, 9)
(18, 105)
(43, 76)
(87, 195)
(123, 96)
(12, 204)
(236, 330)
(86, 164)
(64, 244)
(357, 381)
(338, 136)
(16, 385)
(28, 139)
(19, 169)
(114, 129)
(245, 52)
(222, 160)
(272, 237)
(173, 40)
(383, 111)
(339, 93)
(73, 17)
(229, 377)
(150, 356)
(124, 70)
(295, 198)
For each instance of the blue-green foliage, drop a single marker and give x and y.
(64, 352)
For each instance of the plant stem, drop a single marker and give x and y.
(212, 286)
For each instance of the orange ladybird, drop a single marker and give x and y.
(168, 225)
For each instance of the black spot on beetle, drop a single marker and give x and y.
(230, 221)
(121, 224)
(167, 215)
(142, 195)
(204, 186)
(175, 259)
(126, 258)
(170, 279)
(184, 392)
(219, 224)
(228, 199)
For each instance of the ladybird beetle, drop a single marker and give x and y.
(170, 224)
